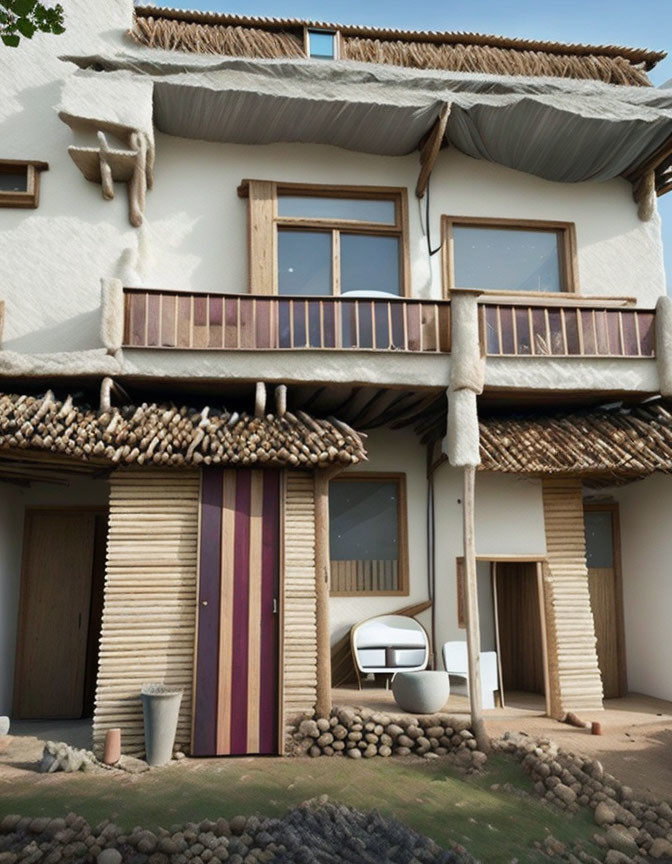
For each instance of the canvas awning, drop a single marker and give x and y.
(561, 129)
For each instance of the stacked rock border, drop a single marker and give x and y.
(363, 733)
(318, 832)
(636, 828)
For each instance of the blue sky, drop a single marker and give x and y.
(644, 24)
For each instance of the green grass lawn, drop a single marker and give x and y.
(494, 825)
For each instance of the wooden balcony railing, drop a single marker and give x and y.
(231, 322)
(538, 329)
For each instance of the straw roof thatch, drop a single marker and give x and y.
(167, 435)
(274, 38)
(617, 442)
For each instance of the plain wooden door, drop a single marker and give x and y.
(54, 614)
(604, 583)
(519, 625)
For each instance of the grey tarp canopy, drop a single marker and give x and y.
(560, 129)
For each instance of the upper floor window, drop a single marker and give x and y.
(20, 182)
(321, 44)
(509, 256)
(317, 241)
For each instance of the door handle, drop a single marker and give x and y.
(204, 602)
(275, 605)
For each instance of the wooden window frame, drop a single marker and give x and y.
(613, 507)
(30, 198)
(337, 42)
(402, 527)
(566, 232)
(264, 224)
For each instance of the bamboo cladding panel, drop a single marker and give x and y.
(564, 331)
(299, 635)
(366, 577)
(150, 599)
(241, 322)
(236, 707)
(575, 680)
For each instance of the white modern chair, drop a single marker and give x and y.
(455, 662)
(388, 644)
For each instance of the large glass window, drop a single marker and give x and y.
(335, 244)
(367, 535)
(507, 257)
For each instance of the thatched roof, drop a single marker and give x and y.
(274, 38)
(617, 442)
(167, 435)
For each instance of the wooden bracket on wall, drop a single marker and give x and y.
(260, 400)
(429, 150)
(108, 165)
(651, 178)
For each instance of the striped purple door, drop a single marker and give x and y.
(236, 704)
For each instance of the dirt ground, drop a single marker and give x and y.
(635, 745)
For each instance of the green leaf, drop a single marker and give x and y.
(26, 27)
(23, 7)
(10, 41)
(57, 29)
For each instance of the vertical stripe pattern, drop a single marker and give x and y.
(236, 705)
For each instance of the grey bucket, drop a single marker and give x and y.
(160, 707)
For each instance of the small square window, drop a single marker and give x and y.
(321, 44)
(20, 182)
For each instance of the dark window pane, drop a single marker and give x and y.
(359, 209)
(17, 181)
(369, 263)
(321, 44)
(599, 542)
(363, 523)
(506, 259)
(304, 263)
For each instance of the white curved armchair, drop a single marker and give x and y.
(389, 643)
(456, 663)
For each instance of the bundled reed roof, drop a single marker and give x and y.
(622, 442)
(166, 435)
(275, 38)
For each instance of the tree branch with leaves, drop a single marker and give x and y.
(25, 18)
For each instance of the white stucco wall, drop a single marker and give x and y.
(80, 492)
(646, 556)
(509, 520)
(194, 236)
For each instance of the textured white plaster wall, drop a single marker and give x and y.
(52, 258)
(646, 556)
(509, 521)
(80, 492)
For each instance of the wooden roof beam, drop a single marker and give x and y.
(430, 150)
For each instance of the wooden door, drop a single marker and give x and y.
(58, 554)
(604, 583)
(519, 627)
(236, 693)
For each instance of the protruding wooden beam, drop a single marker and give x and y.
(260, 400)
(281, 400)
(430, 150)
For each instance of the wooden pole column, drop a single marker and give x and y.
(471, 610)
(321, 487)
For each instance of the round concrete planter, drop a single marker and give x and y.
(421, 692)
(161, 707)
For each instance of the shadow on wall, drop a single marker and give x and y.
(64, 336)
